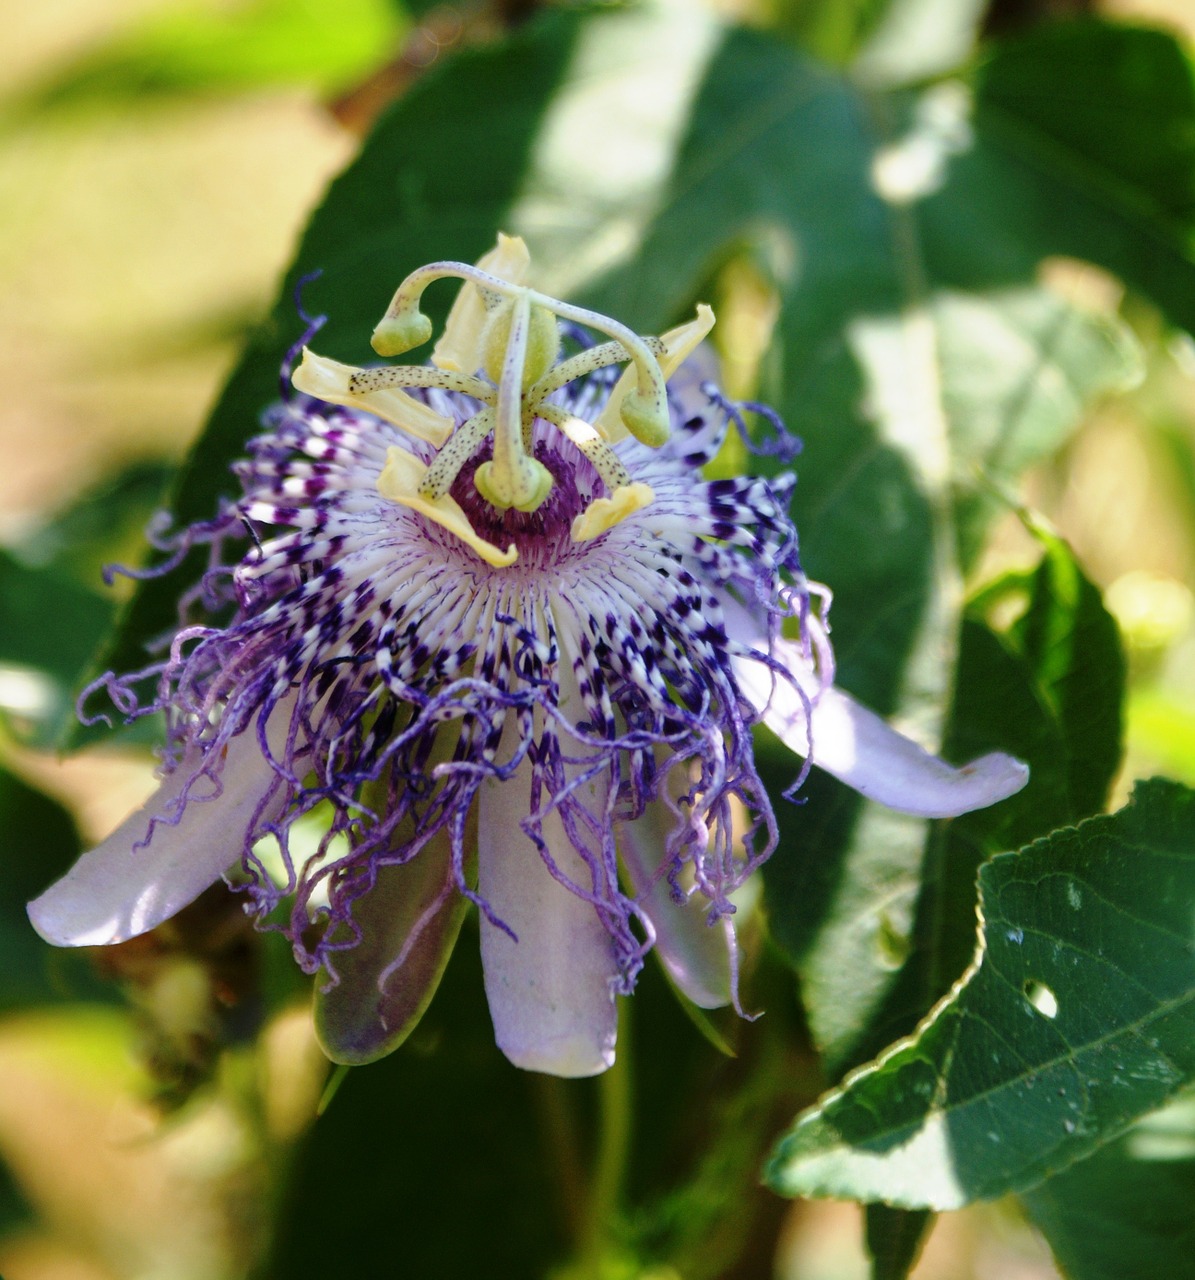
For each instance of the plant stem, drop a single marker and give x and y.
(615, 1104)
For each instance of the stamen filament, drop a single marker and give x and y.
(462, 445)
(583, 363)
(364, 381)
(606, 462)
(645, 410)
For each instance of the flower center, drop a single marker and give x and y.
(509, 332)
(540, 536)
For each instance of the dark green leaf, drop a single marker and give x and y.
(1117, 101)
(1083, 145)
(842, 895)
(49, 629)
(38, 842)
(879, 938)
(895, 1238)
(693, 1201)
(436, 1161)
(1125, 1213)
(1049, 687)
(1077, 1017)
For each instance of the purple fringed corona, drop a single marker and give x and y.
(495, 641)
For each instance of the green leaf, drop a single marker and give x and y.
(1019, 369)
(702, 1125)
(56, 609)
(1100, 170)
(1050, 687)
(895, 1238)
(842, 895)
(1076, 1018)
(104, 526)
(1126, 1211)
(1126, 123)
(879, 936)
(831, 30)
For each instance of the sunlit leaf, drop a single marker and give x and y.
(1163, 725)
(1019, 369)
(1077, 1018)
(183, 48)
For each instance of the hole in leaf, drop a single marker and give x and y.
(1041, 998)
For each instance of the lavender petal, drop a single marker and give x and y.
(160, 859)
(862, 750)
(695, 953)
(551, 991)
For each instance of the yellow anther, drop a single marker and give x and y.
(396, 334)
(603, 514)
(646, 416)
(678, 344)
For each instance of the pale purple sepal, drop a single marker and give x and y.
(551, 992)
(695, 953)
(119, 890)
(861, 749)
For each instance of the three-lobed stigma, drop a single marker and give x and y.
(510, 332)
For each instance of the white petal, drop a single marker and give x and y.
(117, 891)
(865, 752)
(695, 953)
(550, 993)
